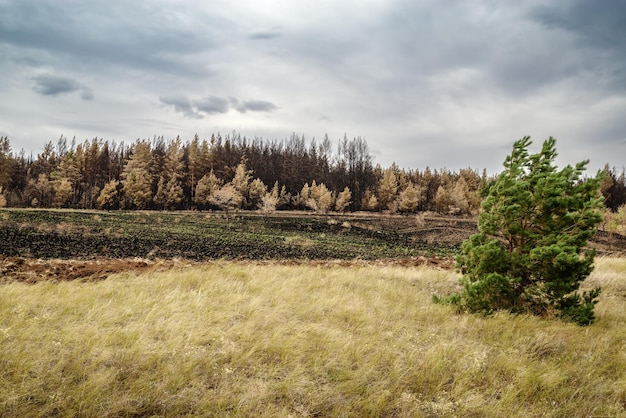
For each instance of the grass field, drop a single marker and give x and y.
(230, 338)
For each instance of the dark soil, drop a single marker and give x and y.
(82, 245)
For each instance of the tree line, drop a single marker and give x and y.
(234, 172)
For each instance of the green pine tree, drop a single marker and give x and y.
(531, 253)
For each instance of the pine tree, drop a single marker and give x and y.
(137, 189)
(409, 198)
(369, 201)
(171, 175)
(194, 166)
(443, 200)
(108, 195)
(388, 189)
(227, 198)
(62, 192)
(459, 197)
(6, 162)
(321, 197)
(302, 199)
(160, 197)
(137, 178)
(270, 200)
(256, 192)
(241, 181)
(531, 253)
(206, 188)
(174, 194)
(39, 193)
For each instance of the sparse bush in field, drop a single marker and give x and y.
(531, 254)
(227, 198)
(321, 198)
(257, 192)
(370, 201)
(615, 221)
(343, 200)
(316, 197)
(268, 202)
(420, 218)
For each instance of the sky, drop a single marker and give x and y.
(437, 83)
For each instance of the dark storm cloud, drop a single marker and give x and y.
(50, 85)
(215, 105)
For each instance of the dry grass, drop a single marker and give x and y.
(241, 339)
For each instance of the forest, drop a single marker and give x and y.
(233, 172)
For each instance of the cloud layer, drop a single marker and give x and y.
(425, 83)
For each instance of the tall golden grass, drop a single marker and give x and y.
(244, 339)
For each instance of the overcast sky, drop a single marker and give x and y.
(425, 82)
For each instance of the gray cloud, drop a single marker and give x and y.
(87, 94)
(256, 106)
(50, 85)
(182, 105)
(265, 34)
(215, 105)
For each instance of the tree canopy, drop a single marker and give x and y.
(165, 174)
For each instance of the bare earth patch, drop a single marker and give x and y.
(31, 270)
